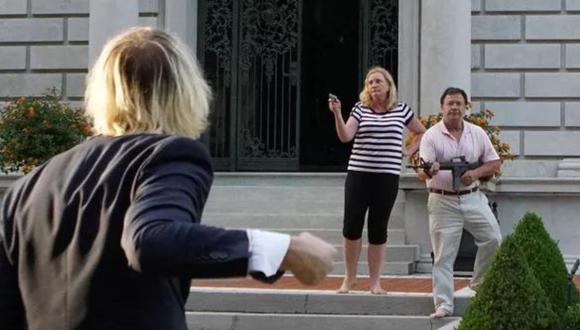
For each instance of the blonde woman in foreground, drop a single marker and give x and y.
(107, 235)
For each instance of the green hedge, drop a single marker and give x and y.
(571, 319)
(545, 259)
(510, 297)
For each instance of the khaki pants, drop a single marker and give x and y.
(448, 215)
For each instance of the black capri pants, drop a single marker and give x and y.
(375, 192)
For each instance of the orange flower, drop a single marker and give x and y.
(31, 112)
(26, 168)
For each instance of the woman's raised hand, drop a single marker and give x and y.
(334, 103)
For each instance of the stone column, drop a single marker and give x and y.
(445, 50)
(181, 20)
(108, 18)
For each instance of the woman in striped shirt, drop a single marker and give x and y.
(376, 124)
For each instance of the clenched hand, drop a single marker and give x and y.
(309, 258)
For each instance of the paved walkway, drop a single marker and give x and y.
(415, 284)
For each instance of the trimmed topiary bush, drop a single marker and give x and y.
(575, 299)
(510, 297)
(544, 258)
(571, 319)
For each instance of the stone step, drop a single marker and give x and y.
(395, 236)
(236, 300)
(279, 207)
(273, 205)
(303, 193)
(272, 219)
(258, 179)
(300, 200)
(389, 268)
(320, 220)
(254, 321)
(241, 192)
(393, 253)
(334, 236)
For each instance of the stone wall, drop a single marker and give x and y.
(525, 64)
(525, 61)
(44, 44)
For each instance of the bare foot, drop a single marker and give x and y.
(377, 289)
(347, 284)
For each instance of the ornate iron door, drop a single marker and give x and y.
(249, 50)
(380, 34)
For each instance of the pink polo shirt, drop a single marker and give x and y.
(439, 145)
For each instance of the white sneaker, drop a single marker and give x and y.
(465, 292)
(440, 313)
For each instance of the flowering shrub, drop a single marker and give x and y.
(33, 129)
(480, 119)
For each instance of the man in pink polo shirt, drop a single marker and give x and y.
(449, 210)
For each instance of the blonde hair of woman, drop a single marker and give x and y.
(164, 94)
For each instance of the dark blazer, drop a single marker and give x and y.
(107, 236)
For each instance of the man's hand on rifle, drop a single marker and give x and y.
(434, 168)
(469, 177)
(425, 169)
(431, 170)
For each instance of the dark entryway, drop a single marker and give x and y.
(330, 63)
(272, 63)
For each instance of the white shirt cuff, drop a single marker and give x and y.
(267, 250)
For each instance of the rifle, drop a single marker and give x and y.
(457, 166)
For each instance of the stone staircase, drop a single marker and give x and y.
(292, 203)
(296, 202)
(245, 309)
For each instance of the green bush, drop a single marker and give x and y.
(545, 259)
(33, 129)
(571, 319)
(510, 297)
(575, 299)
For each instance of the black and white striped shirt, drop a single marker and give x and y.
(378, 141)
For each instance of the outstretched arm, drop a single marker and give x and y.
(162, 233)
(306, 256)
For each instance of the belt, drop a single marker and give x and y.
(456, 193)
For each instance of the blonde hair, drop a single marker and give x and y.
(365, 95)
(147, 81)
